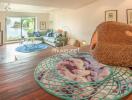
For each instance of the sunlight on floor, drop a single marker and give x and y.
(9, 54)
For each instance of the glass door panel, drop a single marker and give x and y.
(28, 26)
(13, 28)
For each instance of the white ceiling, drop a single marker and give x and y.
(45, 5)
(24, 8)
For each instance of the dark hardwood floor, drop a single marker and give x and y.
(17, 79)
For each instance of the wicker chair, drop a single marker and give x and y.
(112, 44)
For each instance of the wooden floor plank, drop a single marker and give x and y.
(17, 77)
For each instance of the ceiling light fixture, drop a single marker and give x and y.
(5, 6)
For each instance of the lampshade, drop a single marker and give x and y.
(84, 43)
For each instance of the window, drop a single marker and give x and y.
(16, 27)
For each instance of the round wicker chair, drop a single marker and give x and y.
(112, 44)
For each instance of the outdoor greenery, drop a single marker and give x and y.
(17, 25)
(28, 24)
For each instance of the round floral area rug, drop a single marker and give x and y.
(78, 76)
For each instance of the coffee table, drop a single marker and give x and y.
(31, 44)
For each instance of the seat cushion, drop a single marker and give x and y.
(114, 54)
(50, 39)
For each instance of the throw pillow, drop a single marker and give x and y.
(36, 34)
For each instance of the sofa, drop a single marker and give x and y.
(37, 35)
(55, 39)
(50, 37)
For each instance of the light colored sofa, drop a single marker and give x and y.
(56, 39)
(49, 40)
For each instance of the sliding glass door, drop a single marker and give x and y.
(17, 27)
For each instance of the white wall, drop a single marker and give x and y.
(39, 16)
(82, 22)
